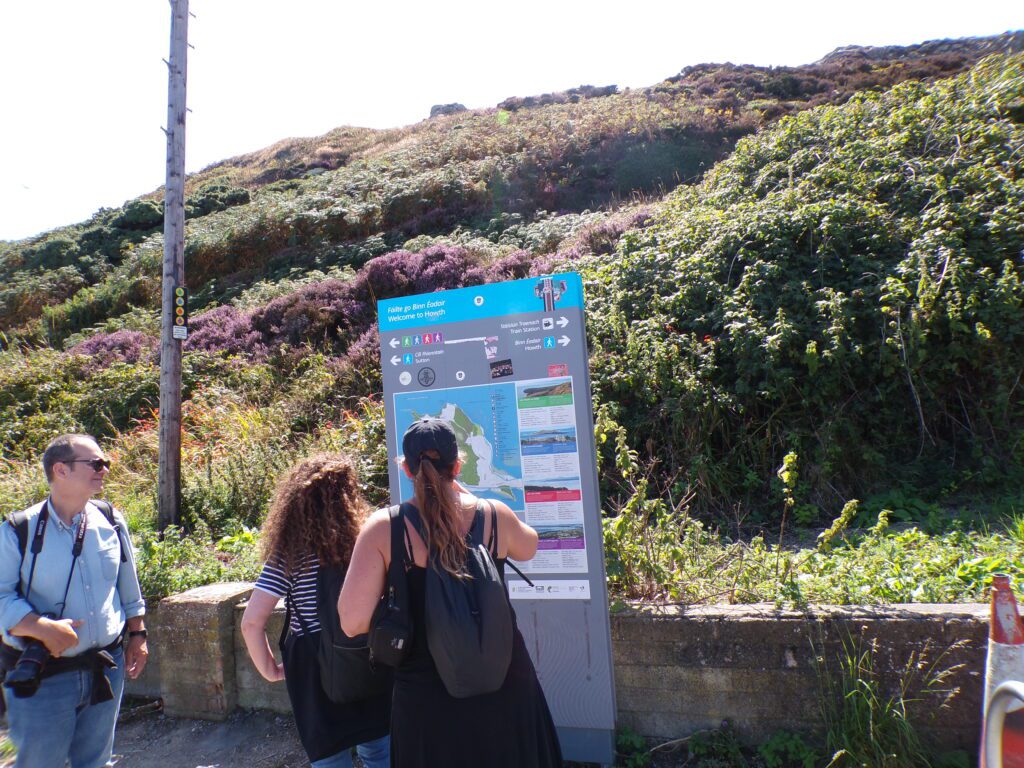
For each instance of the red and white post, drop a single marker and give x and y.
(1005, 665)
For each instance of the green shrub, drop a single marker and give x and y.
(178, 562)
(44, 393)
(212, 198)
(234, 490)
(656, 549)
(140, 214)
(631, 749)
(717, 748)
(785, 749)
(53, 253)
(847, 287)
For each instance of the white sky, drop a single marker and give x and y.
(83, 89)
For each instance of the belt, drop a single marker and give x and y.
(54, 666)
(96, 660)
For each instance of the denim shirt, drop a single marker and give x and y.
(104, 591)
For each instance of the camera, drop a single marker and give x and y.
(24, 677)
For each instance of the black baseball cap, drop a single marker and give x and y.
(429, 434)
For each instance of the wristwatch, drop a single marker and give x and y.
(138, 633)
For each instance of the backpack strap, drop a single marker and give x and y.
(410, 512)
(475, 535)
(398, 513)
(492, 544)
(396, 583)
(492, 541)
(108, 512)
(19, 522)
(291, 597)
(287, 624)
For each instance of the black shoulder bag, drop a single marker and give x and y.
(346, 673)
(391, 626)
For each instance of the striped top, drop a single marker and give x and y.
(298, 591)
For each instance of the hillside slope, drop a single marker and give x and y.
(845, 286)
(337, 200)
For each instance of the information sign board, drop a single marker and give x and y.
(506, 365)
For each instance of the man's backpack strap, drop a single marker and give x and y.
(108, 512)
(19, 522)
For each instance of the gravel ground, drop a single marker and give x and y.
(245, 740)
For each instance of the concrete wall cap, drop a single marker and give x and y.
(771, 611)
(212, 593)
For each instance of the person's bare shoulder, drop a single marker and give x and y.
(504, 510)
(377, 527)
(506, 517)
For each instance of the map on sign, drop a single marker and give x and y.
(486, 428)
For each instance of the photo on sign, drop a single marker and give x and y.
(501, 368)
(491, 347)
(550, 392)
(560, 536)
(543, 441)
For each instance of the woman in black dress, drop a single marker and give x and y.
(313, 523)
(510, 728)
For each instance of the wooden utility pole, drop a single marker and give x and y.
(173, 273)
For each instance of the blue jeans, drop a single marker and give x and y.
(374, 754)
(59, 724)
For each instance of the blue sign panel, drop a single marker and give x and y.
(506, 365)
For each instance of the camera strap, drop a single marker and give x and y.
(37, 547)
(76, 550)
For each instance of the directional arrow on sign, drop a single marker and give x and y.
(562, 322)
(564, 341)
(394, 343)
(395, 359)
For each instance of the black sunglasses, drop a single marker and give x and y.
(96, 464)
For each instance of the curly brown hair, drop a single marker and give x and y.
(318, 509)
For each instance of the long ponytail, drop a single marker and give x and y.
(440, 509)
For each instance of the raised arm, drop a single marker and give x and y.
(367, 572)
(515, 538)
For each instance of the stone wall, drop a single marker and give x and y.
(677, 669)
(681, 669)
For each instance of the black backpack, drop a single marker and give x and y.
(346, 673)
(469, 622)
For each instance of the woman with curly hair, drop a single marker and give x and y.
(313, 523)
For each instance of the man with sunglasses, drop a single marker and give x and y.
(68, 580)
